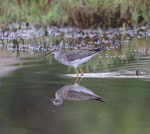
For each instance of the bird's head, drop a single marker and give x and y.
(57, 102)
(55, 49)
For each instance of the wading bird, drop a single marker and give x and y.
(74, 58)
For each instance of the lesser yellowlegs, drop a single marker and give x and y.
(75, 57)
(74, 92)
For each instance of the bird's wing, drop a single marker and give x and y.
(73, 95)
(79, 54)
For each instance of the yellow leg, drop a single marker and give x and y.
(77, 79)
(77, 72)
(81, 71)
(80, 80)
(77, 75)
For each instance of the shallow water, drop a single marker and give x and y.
(28, 82)
(25, 109)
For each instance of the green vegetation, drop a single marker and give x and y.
(81, 13)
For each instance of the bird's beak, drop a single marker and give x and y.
(47, 53)
(48, 98)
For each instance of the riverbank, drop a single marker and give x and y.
(7, 62)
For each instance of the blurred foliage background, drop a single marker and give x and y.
(81, 13)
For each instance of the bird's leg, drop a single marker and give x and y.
(81, 71)
(77, 75)
(76, 80)
(80, 80)
(76, 72)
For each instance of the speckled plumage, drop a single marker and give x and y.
(74, 92)
(75, 57)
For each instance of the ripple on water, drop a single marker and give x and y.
(111, 75)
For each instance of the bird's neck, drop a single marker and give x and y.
(58, 53)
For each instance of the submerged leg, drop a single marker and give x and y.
(81, 71)
(77, 72)
(78, 80)
(77, 75)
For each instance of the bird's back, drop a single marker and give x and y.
(80, 54)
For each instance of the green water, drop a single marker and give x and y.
(25, 110)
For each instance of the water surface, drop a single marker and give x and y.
(25, 109)
(121, 76)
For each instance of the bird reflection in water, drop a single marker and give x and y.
(74, 92)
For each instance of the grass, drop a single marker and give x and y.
(81, 13)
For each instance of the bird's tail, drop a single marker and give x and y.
(101, 48)
(101, 99)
